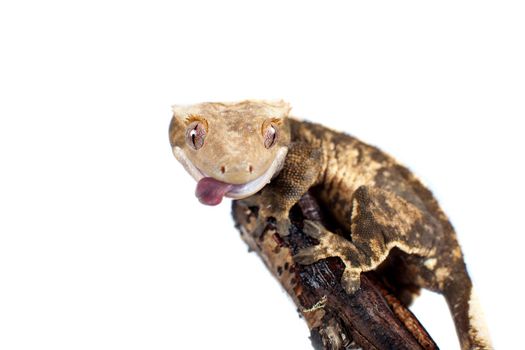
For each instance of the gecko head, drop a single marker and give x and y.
(231, 149)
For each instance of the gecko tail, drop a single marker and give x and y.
(466, 312)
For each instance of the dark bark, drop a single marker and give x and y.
(372, 318)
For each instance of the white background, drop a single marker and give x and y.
(102, 242)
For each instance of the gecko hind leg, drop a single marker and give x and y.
(381, 220)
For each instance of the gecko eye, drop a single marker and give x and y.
(195, 135)
(270, 136)
(270, 132)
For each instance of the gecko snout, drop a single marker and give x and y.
(249, 168)
(237, 173)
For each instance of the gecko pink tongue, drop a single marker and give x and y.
(210, 191)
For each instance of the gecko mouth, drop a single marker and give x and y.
(210, 191)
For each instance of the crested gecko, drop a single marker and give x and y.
(241, 149)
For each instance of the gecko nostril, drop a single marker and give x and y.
(223, 169)
(250, 168)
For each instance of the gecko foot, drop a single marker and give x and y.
(266, 211)
(331, 245)
(282, 224)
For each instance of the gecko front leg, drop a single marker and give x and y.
(301, 171)
(380, 221)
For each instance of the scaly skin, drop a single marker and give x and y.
(380, 204)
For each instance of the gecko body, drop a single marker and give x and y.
(253, 150)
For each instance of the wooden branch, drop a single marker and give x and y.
(372, 318)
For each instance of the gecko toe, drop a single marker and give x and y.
(306, 256)
(260, 227)
(283, 226)
(313, 229)
(351, 280)
(309, 255)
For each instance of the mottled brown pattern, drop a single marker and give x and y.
(380, 204)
